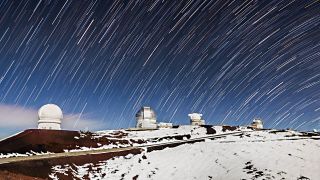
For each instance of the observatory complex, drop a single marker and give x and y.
(146, 119)
(50, 117)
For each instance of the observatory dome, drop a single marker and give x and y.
(196, 119)
(146, 113)
(257, 123)
(146, 118)
(50, 111)
(50, 116)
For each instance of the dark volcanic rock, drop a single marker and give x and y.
(210, 129)
(277, 131)
(229, 128)
(40, 140)
(15, 176)
(43, 167)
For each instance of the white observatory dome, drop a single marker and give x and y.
(196, 119)
(50, 116)
(257, 123)
(50, 111)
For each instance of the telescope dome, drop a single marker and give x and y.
(50, 111)
(50, 116)
(146, 113)
(146, 118)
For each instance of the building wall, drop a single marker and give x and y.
(197, 123)
(146, 124)
(54, 126)
(257, 125)
(165, 125)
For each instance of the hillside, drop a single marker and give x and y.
(185, 152)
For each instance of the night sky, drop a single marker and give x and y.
(229, 60)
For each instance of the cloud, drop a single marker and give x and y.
(17, 118)
(80, 122)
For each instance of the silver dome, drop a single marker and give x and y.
(146, 113)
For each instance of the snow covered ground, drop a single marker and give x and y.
(195, 131)
(10, 155)
(253, 155)
(148, 137)
(126, 138)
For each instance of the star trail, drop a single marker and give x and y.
(231, 60)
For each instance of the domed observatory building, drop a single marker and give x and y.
(146, 118)
(50, 117)
(257, 123)
(196, 119)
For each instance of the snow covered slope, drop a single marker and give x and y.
(38, 141)
(251, 155)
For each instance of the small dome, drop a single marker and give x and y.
(50, 111)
